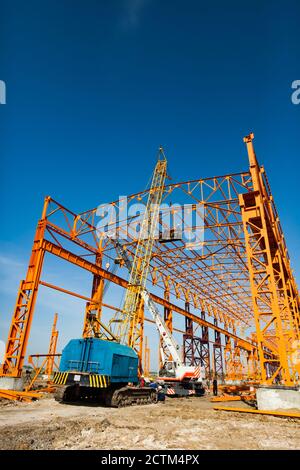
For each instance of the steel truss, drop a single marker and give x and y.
(191, 343)
(239, 274)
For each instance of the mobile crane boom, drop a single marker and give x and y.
(167, 337)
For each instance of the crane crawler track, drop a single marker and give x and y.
(116, 398)
(127, 396)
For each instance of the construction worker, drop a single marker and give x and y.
(28, 376)
(142, 381)
(153, 384)
(215, 387)
(161, 396)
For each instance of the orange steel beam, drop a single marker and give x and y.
(107, 275)
(38, 369)
(52, 348)
(44, 355)
(247, 346)
(23, 314)
(21, 396)
(18, 336)
(226, 398)
(83, 263)
(93, 310)
(75, 294)
(83, 297)
(275, 301)
(228, 359)
(283, 414)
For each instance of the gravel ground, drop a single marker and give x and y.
(176, 424)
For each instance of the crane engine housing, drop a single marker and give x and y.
(100, 370)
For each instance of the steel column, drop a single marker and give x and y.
(217, 351)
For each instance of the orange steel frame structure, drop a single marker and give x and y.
(52, 348)
(241, 278)
(48, 362)
(38, 368)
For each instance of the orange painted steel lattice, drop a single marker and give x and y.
(239, 274)
(52, 348)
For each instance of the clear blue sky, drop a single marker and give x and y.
(94, 87)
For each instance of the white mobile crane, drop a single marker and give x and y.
(179, 379)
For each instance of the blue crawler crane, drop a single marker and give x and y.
(102, 371)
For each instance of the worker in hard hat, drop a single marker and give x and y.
(215, 386)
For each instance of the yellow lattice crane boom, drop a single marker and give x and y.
(129, 321)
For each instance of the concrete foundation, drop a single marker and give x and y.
(278, 398)
(11, 383)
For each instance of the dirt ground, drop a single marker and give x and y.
(176, 424)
